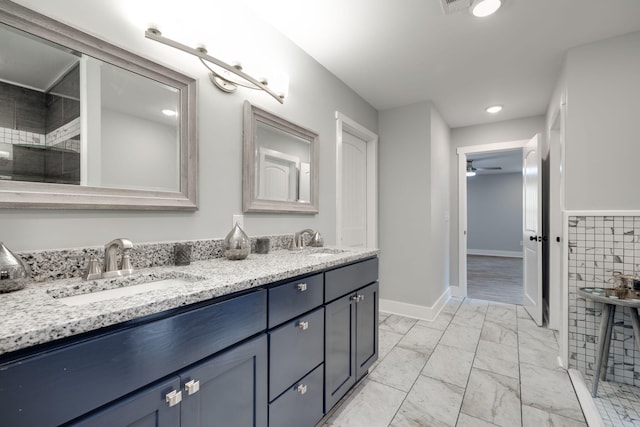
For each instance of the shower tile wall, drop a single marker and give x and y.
(598, 247)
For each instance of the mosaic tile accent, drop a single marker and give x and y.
(51, 265)
(618, 404)
(600, 246)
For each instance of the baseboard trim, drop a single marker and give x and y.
(488, 252)
(415, 311)
(456, 291)
(589, 409)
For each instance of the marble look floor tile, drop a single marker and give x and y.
(502, 313)
(534, 417)
(421, 339)
(498, 358)
(461, 337)
(493, 398)
(399, 369)
(477, 303)
(522, 313)
(386, 341)
(465, 420)
(549, 390)
(452, 305)
(469, 318)
(398, 324)
(441, 322)
(538, 348)
(373, 405)
(450, 365)
(382, 316)
(499, 333)
(430, 403)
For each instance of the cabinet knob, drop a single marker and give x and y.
(357, 298)
(302, 287)
(192, 387)
(174, 397)
(302, 388)
(304, 325)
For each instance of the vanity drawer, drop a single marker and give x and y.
(295, 348)
(294, 298)
(53, 387)
(301, 405)
(347, 279)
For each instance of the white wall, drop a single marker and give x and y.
(505, 131)
(603, 126)
(414, 208)
(314, 96)
(494, 213)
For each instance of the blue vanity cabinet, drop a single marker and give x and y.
(351, 327)
(228, 390)
(106, 370)
(296, 352)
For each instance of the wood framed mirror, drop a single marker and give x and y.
(280, 165)
(82, 126)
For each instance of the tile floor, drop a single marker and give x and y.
(618, 404)
(478, 364)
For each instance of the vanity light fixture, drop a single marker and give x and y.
(483, 8)
(227, 80)
(494, 109)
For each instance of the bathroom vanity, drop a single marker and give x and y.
(275, 340)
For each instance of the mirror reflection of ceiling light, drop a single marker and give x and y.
(482, 8)
(471, 173)
(169, 113)
(494, 109)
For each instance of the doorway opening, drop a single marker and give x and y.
(494, 226)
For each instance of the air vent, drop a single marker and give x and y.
(455, 6)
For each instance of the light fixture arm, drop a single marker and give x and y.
(219, 80)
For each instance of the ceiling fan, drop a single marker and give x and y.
(471, 170)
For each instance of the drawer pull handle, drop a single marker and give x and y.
(192, 387)
(302, 388)
(173, 398)
(303, 325)
(302, 287)
(357, 298)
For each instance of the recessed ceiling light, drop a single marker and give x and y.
(482, 8)
(168, 112)
(494, 109)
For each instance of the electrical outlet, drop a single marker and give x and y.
(238, 219)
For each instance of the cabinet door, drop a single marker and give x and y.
(147, 408)
(366, 329)
(340, 361)
(231, 389)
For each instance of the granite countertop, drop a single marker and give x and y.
(37, 315)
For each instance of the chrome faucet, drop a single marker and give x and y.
(298, 241)
(111, 267)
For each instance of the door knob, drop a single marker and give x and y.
(533, 238)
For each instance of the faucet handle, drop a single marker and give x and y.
(94, 270)
(126, 261)
(316, 240)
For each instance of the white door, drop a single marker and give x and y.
(354, 191)
(278, 176)
(532, 228)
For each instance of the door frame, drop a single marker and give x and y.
(346, 124)
(462, 152)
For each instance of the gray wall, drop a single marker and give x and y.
(314, 96)
(414, 204)
(505, 131)
(602, 127)
(494, 212)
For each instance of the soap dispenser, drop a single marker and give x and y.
(14, 272)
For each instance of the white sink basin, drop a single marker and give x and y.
(322, 252)
(107, 294)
